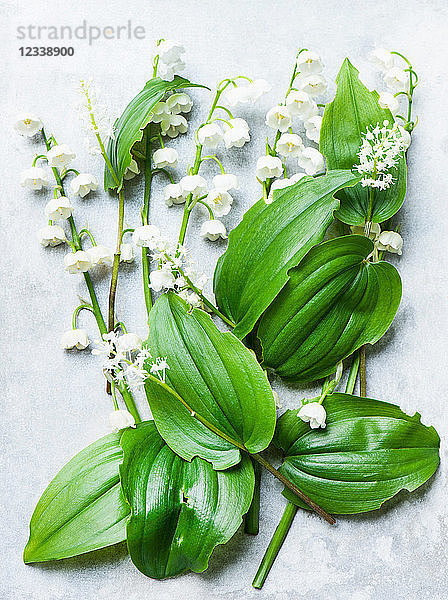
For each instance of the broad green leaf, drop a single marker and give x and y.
(180, 510)
(270, 239)
(217, 377)
(353, 109)
(82, 509)
(334, 302)
(128, 129)
(368, 452)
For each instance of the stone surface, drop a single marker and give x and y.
(53, 403)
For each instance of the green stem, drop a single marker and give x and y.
(274, 547)
(252, 518)
(116, 265)
(76, 312)
(353, 374)
(362, 372)
(145, 219)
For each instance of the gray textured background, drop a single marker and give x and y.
(53, 403)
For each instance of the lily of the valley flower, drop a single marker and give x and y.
(129, 342)
(170, 61)
(388, 100)
(100, 256)
(269, 167)
(146, 236)
(219, 201)
(172, 125)
(193, 184)
(191, 297)
(309, 62)
(249, 92)
(279, 118)
(165, 157)
(51, 235)
(311, 161)
(396, 79)
(77, 262)
(312, 128)
(236, 133)
(28, 124)
(160, 112)
(314, 414)
(132, 170)
(58, 208)
(313, 85)
(173, 194)
(84, 183)
(60, 156)
(290, 144)
(75, 338)
(34, 178)
(210, 135)
(161, 278)
(120, 419)
(213, 230)
(391, 241)
(179, 103)
(127, 254)
(301, 105)
(280, 184)
(383, 59)
(225, 182)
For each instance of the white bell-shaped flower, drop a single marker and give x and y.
(28, 124)
(146, 236)
(225, 182)
(219, 201)
(314, 414)
(51, 235)
(388, 100)
(290, 144)
(77, 262)
(129, 342)
(127, 254)
(165, 157)
(84, 183)
(396, 79)
(405, 137)
(101, 256)
(279, 118)
(179, 103)
(313, 85)
(132, 170)
(173, 194)
(193, 184)
(191, 297)
(161, 278)
(391, 241)
(173, 125)
(382, 59)
(311, 161)
(120, 419)
(170, 52)
(58, 208)
(210, 135)
(236, 133)
(309, 62)
(301, 105)
(213, 230)
(34, 178)
(258, 87)
(60, 155)
(160, 112)
(167, 72)
(312, 128)
(269, 167)
(75, 338)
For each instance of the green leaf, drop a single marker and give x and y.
(217, 377)
(334, 302)
(128, 129)
(369, 451)
(270, 239)
(353, 109)
(180, 510)
(82, 509)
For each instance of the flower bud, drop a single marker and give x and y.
(75, 338)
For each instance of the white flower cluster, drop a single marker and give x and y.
(395, 78)
(299, 104)
(173, 265)
(94, 116)
(170, 58)
(381, 148)
(168, 114)
(125, 359)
